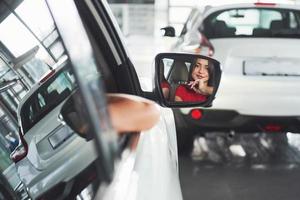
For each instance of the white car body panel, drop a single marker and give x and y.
(40, 174)
(45, 166)
(11, 174)
(150, 172)
(246, 93)
(40, 181)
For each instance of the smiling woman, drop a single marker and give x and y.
(199, 84)
(191, 78)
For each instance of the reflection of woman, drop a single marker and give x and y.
(199, 85)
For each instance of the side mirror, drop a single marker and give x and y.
(168, 31)
(185, 80)
(73, 114)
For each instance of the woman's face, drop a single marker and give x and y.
(200, 70)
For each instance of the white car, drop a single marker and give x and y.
(146, 168)
(50, 162)
(257, 45)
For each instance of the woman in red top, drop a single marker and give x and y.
(199, 86)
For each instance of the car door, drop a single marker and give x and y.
(93, 42)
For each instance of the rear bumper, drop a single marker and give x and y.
(230, 120)
(62, 171)
(69, 189)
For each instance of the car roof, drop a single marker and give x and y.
(208, 10)
(213, 9)
(56, 68)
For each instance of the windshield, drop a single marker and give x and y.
(253, 22)
(47, 97)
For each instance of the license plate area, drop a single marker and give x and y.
(271, 67)
(60, 135)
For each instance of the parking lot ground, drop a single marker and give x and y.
(242, 167)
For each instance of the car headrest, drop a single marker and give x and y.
(51, 96)
(261, 32)
(221, 24)
(221, 29)
(179, 72)
(276, 25)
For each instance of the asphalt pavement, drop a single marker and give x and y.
(242, 167)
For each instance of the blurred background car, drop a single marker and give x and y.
(48, 161)
(257, 46)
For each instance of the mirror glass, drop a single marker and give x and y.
(187, 78)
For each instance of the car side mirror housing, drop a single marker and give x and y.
(73, 114)
(168, 31)
(186, 80)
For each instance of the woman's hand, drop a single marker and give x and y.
(201, 86)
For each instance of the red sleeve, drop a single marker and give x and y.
(180, 92)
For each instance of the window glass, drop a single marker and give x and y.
(267, 17)
(293, 20)
(41, 23)
(253, 23)
(36, 68)
(13, 33)
(10, 100)
(4, 157)
(167, 65)
(47, 97)
(36, 15)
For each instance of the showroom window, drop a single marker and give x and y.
(27, 27)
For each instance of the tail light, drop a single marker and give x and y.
(47, 76)
(196, 114)
(204, 42)
(264, 4)
(21, 150)
(272, 128)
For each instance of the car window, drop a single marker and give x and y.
(253, 22)
(47, 97)
(192, 18)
